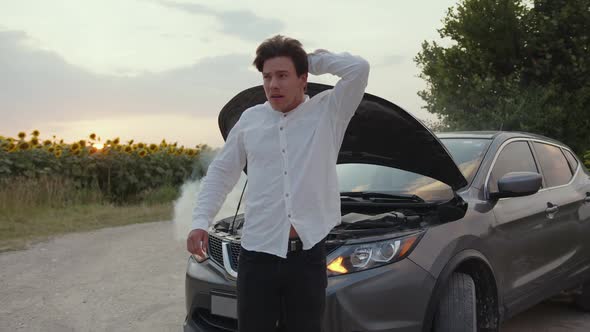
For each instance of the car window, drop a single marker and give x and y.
(572, 160)
(556, 170)
(367, 177)
(467, 153)
(515, 157)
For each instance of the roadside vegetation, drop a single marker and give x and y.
(517, 65)
(49, 187)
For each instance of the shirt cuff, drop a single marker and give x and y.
(313, 59)
(199, 223)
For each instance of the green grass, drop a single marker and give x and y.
(35, 210)
(37, 224)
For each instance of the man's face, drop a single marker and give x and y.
(284, 89)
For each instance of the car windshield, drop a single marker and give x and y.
(467, 153)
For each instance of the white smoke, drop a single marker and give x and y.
(184, 205)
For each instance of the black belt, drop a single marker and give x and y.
(294, 245)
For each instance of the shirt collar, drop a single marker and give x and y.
(305, 100)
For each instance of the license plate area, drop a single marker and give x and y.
(224, 304)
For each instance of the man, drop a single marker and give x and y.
(290, 144)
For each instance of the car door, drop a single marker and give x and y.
(568, 246)
(519, 238)
(581, 184)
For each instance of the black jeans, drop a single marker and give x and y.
(289, 293)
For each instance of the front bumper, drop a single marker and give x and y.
(389, 298)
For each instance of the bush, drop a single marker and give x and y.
(115, 172)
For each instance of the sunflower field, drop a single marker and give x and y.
(119, 172)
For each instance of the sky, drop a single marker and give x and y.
(162, 69)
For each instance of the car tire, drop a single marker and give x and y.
(456, 311)
(582, 299)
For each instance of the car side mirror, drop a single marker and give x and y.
(516, 184)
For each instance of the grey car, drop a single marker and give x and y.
(448, 232)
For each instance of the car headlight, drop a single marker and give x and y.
(364, 256)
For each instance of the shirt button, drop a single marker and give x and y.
(283, 150)
(285, 115)
(289, 216)
(287, 195)
(281, 128)
(285, 172)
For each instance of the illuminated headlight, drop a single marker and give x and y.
(364, 256)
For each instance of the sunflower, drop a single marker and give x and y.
(153, 147)
(130, 142)
(34, 141)
(116, 141)
(163, 144)
(57, 153)
(82, 143)
(93, 150)
(35, 133)
(92, 136)
(128, 149)
(76, 152)
(22, 135)
(11, 147)
(75, 147)
(140, 145)
(108, 142)
(46, 142)
(142, 153)
(51, 149)
(24, 146)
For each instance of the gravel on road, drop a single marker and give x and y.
(131, 278)
(128, 278)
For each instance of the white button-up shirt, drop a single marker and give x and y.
(291, 160)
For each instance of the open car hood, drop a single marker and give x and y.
(379, 133)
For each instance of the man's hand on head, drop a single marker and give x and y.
(197, 242)
(319, 51)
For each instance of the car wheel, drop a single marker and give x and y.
(583, 299)
(456, 310)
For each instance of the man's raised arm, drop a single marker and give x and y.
(354, 75)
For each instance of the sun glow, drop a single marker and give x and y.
(98, 145)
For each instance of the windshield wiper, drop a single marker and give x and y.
(375, 195)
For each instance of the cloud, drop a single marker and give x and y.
(240, 23)
(392, 59)
(39, 85)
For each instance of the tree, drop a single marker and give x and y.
(513, 65)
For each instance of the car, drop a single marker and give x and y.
(439, 232)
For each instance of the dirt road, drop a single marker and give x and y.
(132, 278)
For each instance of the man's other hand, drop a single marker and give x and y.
(197, 242)
(319, 51)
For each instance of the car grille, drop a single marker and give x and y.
(216, 251)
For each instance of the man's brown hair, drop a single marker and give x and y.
(282, 46)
